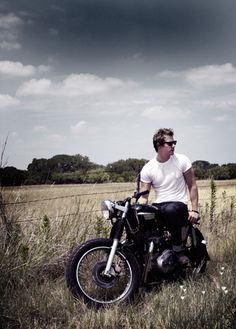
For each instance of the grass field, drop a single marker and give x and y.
(47, 221)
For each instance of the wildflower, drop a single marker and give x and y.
(181, 287)
(221, 273)
(182, 297)
(225, 289)
(203, 292)
(222, 268)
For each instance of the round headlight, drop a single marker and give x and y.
(106, 214)
(107, 209)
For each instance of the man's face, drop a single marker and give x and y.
(168, 147)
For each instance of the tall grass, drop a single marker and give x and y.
(37, 238)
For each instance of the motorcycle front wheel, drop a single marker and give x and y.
(85, 273)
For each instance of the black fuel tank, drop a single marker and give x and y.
(147, 215)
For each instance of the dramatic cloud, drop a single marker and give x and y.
(212, 75)
(203, 76)
(9, 21)
(7, 45)
(35, 87)
(163, 113)
(88, 84)
(9, 25)
(17, 69)
(7, 101)
(73, 85)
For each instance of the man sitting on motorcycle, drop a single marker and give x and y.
(171, 176)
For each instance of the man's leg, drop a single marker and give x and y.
(175, 215)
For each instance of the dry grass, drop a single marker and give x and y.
(32, 288)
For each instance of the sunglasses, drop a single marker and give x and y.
(171, 143)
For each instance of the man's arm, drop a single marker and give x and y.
(144, 187)
(193, 194)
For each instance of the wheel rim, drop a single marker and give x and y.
(97, 287)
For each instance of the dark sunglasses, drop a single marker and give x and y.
(171, 143)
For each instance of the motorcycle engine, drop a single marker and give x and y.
(166, 261)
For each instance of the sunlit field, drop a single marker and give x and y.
(45, 222)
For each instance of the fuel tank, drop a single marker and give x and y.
(148, 215)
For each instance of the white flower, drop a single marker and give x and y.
(223, 288)
(182, 297)
(203, 292)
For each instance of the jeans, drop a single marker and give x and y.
(174, 216)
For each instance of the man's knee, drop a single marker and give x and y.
(176, 213)
(171, 208)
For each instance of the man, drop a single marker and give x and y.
(171, 176)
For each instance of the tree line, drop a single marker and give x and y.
(78, 169)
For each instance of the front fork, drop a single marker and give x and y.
(116, 238)
(107, 271)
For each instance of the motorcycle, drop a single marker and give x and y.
(104, 271)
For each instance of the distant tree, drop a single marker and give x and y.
(43, 171)
(202, 169)
(39, 171)
(232, 169)
(219, 172)
(125, 170)
(11, 176)
(70, 163)
(78, 169)
(97, 176)
(200, 173)
(61, 163)
(83, 163)
(201, 164)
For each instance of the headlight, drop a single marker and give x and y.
(107, 209)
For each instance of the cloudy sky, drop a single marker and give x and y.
(99, 77)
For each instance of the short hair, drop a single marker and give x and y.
(158, 138)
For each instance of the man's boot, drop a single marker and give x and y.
(183, 260)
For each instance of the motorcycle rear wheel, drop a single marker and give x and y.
(85, 273)
(198, 254)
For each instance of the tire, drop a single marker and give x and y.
(84, 273)
(198, 255)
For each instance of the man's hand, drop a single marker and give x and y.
(193, 217)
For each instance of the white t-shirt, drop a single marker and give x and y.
(167, 178)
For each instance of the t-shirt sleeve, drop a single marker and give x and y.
(144, 175)
(185, 163)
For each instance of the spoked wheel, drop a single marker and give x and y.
(86, 278)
